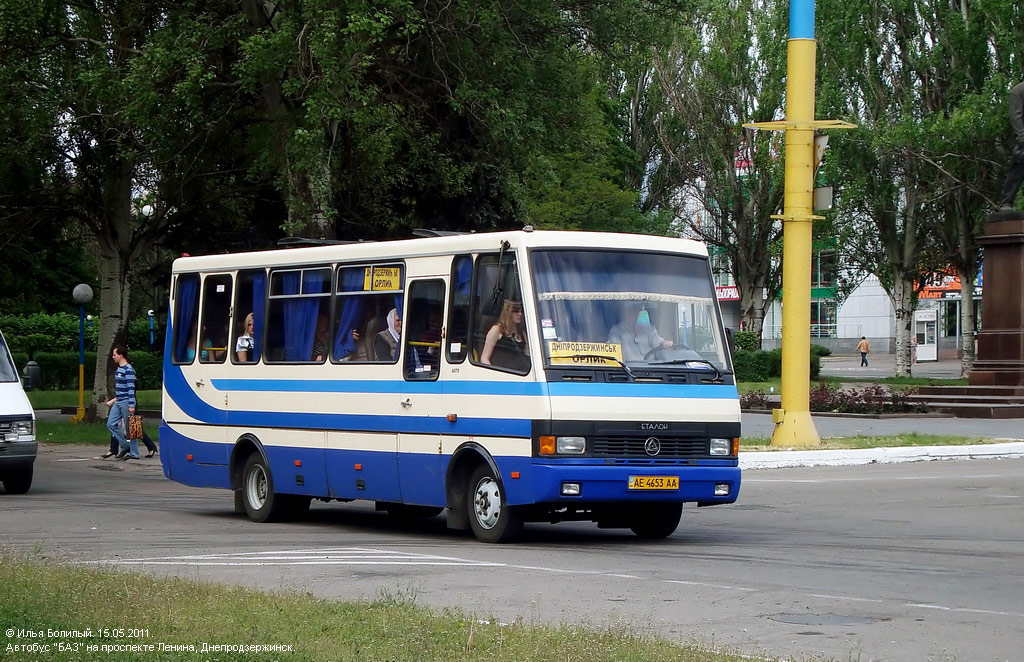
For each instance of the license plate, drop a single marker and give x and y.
(654, 482)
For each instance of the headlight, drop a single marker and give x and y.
(571, 445)
(24, 430)
(721, 446)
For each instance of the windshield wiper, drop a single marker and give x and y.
(605, 358)
(718, 373)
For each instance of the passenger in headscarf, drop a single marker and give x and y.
(385, 345)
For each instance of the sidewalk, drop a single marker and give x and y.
(884, 365)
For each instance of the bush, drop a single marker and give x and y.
(872, 399)
(59, 370)
(746, 341)
(760, 365)
(755, 399)
(820, 350)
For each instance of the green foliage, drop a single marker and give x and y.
(747, 341)
(59, 370)
(762, 365)
(820, 350)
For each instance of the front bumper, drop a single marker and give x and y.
(603, 483)
(17, 454)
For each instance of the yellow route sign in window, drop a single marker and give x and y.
(382, 278)
(584, 353)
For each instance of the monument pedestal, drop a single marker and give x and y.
(1000, 358)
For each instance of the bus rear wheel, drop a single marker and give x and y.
(657, 520)
(261, 503)
(490, 516)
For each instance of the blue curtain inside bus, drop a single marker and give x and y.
(350, 312)
(300, 315)
(463, 275)
(188, 300)
(259, 302)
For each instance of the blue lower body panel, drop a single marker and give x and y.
(419, 478)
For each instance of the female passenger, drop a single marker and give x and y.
(505, 345)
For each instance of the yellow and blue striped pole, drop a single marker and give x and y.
(794, 426)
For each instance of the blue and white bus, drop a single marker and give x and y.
(503, 377)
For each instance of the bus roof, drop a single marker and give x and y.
(420, 247)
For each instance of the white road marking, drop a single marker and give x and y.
(870, 479)
(725, 586)
(340, 556)
(393, 557)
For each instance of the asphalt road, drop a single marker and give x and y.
(902, 562)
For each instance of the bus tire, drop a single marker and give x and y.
(490, 517)
(18, 482)
(239, 501)
(658, 520)
(261, 503)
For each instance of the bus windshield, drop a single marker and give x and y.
(608, 308)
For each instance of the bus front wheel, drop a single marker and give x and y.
(261, 503)
(657, 520)
(490, 516)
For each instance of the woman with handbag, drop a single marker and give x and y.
(122, 405)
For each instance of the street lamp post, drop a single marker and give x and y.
(82, 295)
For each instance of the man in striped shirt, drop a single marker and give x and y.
(122, 405)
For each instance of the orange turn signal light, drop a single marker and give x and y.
(298, 463)
(514, 474)
(188, 458)
(547, 445)
(359, 467)
(735, 445)
(452, 418)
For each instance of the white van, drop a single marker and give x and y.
(17, 428)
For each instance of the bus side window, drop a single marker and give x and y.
(213, 334)
(457, 337)
(186, 318)
(499, 330)
(363, 299)
(421, 330)
(297, 315)
(250, 300)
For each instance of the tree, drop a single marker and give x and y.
(727, 72)
(127, 110)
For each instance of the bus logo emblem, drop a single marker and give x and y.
(652, 446)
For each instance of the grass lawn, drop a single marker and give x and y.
(58, 399)
(40, 596)
(64, 432)
(861, 441)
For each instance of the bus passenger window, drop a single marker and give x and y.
(457, 337)
(186, 318)
(422, 330)
(250, 304)
(213, 334)
(363, 301)
(499, 333)
(298, 308)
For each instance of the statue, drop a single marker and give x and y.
(1015, 175)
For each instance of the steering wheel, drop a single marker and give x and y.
(655, 350)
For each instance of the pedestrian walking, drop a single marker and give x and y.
(122, 405)
(864, 347)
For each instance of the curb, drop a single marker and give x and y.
(854, 456)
